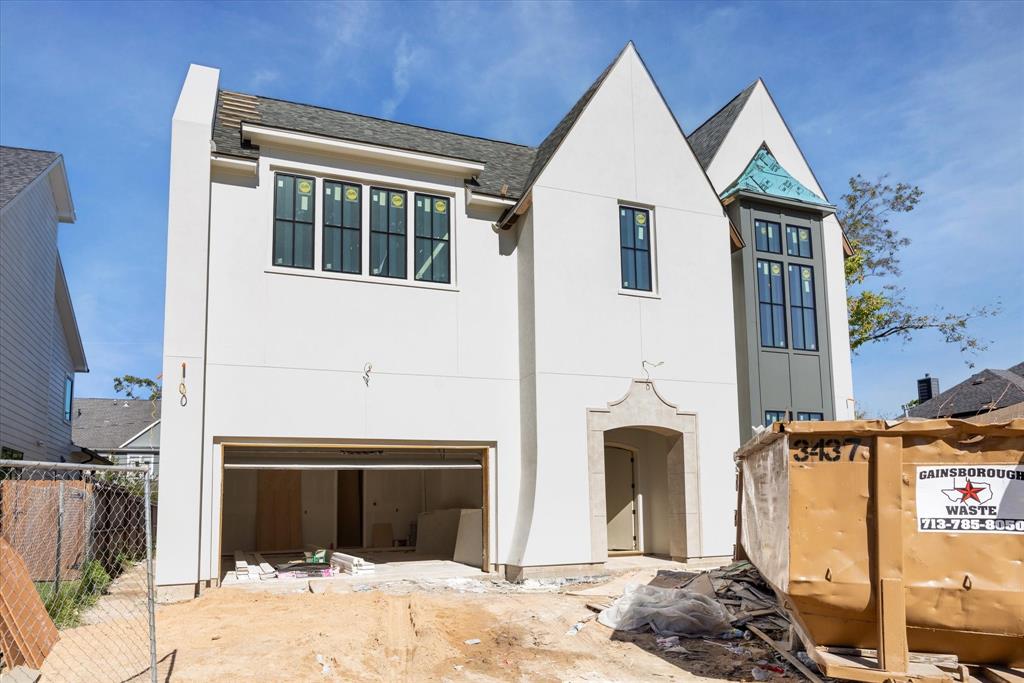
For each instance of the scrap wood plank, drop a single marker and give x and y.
(27, 633)
(265, 567)
(811, 676)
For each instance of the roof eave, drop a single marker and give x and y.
(69, 323)
(733, 195)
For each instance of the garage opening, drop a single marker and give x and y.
(378, 513)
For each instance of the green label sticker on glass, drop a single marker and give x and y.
(351, 194)
(641, 219)
(806, 274)
(640, 233)
(397, 201)
(775, 269)
(305, 187)
(440, 206)
(803, 236)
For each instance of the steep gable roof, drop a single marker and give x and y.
(710, 135)
(19, 167)
(550, 145)
(506, 164)
(765, 175)
(986, 390)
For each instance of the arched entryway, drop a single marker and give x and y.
(643, 466)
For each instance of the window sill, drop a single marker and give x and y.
(639, 293)
(365, 279)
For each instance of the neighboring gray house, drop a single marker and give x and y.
(40, 346)
(982, 393)
(126, 431)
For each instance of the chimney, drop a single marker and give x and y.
(927, 388)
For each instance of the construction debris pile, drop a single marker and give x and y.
(722, 607)
(253, 567)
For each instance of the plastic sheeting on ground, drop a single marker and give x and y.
(666, 611)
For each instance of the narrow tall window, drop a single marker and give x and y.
(768, 237)
(635, 248)
(810, 417)
(433, 238)
(798, 241)
(773, 416)
(801, 309)
(387, 233)
(772, 304)
(342, 227)
(69, 392)
(293, 221)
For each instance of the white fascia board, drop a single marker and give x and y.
(477, 199)
(143, 431)
(287, 138)
(61, 191)
(66, 313)
(234, 164)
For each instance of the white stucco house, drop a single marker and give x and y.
(368, 321)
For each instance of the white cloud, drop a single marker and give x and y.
(406, 59)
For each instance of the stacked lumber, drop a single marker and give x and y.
(242, 569)
(27, 633)
(350, 564)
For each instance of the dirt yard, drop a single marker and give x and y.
(419, 635)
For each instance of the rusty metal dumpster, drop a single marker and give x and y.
(897, 549)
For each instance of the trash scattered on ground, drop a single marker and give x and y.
(472, 641)
(760, 674)
(667, 641)
(575, 628)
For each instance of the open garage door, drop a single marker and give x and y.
(415, 507)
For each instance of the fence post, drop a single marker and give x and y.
(150, 588)
(60, 533)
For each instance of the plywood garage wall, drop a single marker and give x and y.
(318, 507)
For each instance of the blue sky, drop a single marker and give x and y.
(931, 93)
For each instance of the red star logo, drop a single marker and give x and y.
(969, 491)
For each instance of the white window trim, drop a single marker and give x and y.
(655, 293)
(366, 182)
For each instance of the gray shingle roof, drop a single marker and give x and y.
(983, 391)
(506, 163)
(19, 167)
(105, 423)
(710, 135)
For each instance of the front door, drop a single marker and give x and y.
(619, 489)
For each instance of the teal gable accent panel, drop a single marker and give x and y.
(764, 175)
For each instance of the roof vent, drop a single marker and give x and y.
(927, 388)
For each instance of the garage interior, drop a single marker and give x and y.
(409, 512)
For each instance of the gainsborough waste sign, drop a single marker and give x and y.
(971, 499)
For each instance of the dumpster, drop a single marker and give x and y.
(896, 548)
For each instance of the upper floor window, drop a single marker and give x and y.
(69, 392)
(293, 221)
(433, 238)
(810, 417)
(802, 318)
(342, 227)
(635, 248)
(771, 304)
(798, 241)
(773, 416)
(768, 236)
(387, 233)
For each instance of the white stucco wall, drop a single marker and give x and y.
(760, 122)
(591, 339)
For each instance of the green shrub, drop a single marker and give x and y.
(65, 605)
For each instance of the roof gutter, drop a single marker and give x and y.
(510, 217)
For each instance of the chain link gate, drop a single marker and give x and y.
(77, 595)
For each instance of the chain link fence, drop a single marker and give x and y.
(76, 572)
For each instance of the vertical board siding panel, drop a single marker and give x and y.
(31, 329)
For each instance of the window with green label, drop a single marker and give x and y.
(293, 221)
(768, 236)
(771, 304)
(433, 238)
(773, 416)
(387, 233)
(798, 241)
(810, 417)
(342, 227)
(635, 248)
(801, 309)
